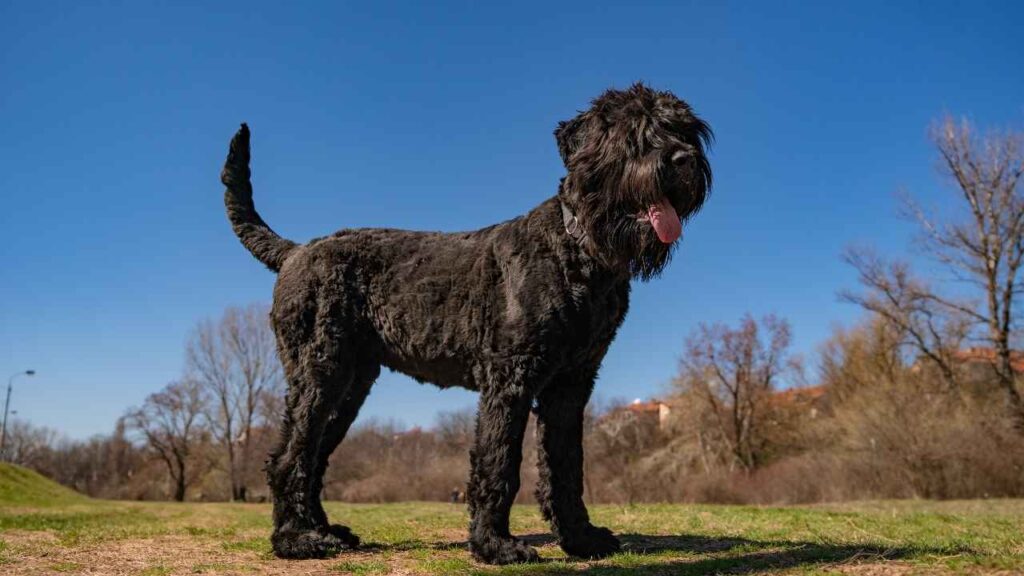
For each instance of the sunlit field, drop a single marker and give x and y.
(47, 529)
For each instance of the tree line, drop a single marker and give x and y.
(921, 399)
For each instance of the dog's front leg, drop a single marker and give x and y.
(494, 475)
(560, 411)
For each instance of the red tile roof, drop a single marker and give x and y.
(794, 395)
(988, 355)
(637, 406)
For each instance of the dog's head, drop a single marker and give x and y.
(637, 170)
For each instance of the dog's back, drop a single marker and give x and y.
(432, 305)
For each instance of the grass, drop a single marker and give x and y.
(20, 486)
(427, 538)
(80, 535)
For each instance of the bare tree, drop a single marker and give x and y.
(907, 304)
(170, 422)
(735, 372)
(866, 356)
(29, 445)
(235, 361)
(618, 445)
(982, 247)
(455, 429)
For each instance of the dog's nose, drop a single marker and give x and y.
(683, 155)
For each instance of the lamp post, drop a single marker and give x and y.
(7, 406)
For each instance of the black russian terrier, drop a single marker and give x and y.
(522, 311)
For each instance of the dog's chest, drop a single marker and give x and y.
(558, 312)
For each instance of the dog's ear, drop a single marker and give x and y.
(569, 136)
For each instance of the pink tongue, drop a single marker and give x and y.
(665, 221)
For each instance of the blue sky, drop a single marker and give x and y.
(115, 117)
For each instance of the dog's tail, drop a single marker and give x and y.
(256, 236)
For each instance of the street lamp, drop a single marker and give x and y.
(7, 406)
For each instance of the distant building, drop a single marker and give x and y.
(652, 409)
(414, 433)
(813, 399)
(653, 412)
(979, 356)
(658, 414)
(977, 366)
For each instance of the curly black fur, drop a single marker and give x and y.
(522, 311)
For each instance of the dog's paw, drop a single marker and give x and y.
(344, 534)
(591, 542)
(494, 550)
(311, 543)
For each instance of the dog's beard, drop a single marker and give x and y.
(636, 246)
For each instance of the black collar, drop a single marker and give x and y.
(572, 225)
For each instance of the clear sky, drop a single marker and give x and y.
(115, 118)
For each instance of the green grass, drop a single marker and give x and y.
(82, 535)
(22, 487)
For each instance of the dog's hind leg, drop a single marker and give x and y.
(494, 475)
(320, 372)
(334, 432)
(560, 410)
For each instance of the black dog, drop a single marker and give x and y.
(522, 311)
